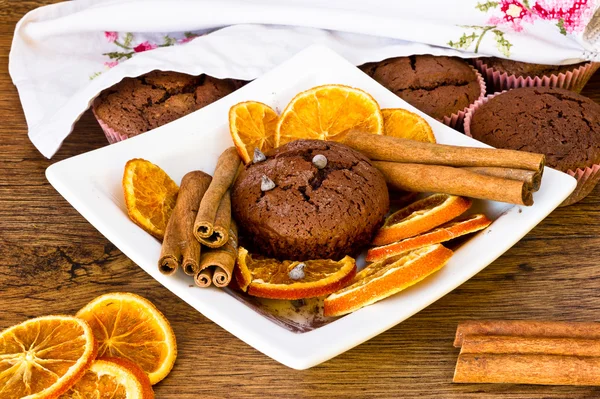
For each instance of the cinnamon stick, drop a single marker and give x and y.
(222, 260)
(394, 149)
(455, 181)
(527, 369)
(531, 345)
(179, 246)
(206, 221)
(527, 328)
(221, 225)
(204, 278)
(531, 177)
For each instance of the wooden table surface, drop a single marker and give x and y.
(53, 261)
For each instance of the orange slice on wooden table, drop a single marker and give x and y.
(328, 113)
(112, 378)
(252, 125)
(150, 196)
(421, 216)
(398, 122)
(270, 278)
(443, 233)
(381, 279)
(44, 357)
(129, 326)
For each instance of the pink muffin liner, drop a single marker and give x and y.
(455, 121)
(573, 80)
(587, 178)
(111, 134)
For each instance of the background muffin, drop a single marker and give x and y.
(559, 123)
(502, 74)
(136, 105)
(438, 86)
(311, 213)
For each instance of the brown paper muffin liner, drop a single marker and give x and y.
(587, 177)
(573, 80)
(455, 121)
(111, 134)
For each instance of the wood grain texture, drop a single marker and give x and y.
(53, 261)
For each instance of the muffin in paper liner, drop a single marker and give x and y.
(573, 80)
(455, 121)
(587, 178)
(111, 134)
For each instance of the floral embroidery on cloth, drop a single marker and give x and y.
(127, 47)
(569, 16)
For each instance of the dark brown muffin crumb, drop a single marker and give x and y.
(526, 69)
(559, 123)
(136, 105)
(438, 86)
(311, 213)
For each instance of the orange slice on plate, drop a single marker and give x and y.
(252, 126)
(129, 326)
(150, 196)
(421, 216)
(44, 357)
(270, 278)
(398, 122)
(379, 280)
(443, 233)
(328, 113)
(112, 378)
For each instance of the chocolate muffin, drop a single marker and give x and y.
(311, 213)
(136, 105)
(526, 69)
(559, 123)
(438, 86)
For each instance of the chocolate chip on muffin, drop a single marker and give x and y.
(136, 105)
(310, 213)
(438, 86)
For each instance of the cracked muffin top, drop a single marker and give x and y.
(136, 105)
(526, 69)
(311, 213)
(438, 86)
(559, 123)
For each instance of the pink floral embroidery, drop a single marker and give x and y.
(111, 36)
(111, 64)
(144, 46)
(514, 14)
(572, 15)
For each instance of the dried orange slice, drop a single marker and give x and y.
(112, 378)
(270, 278)
(381, 279)
(129, 326)
(328, 113)
(150, 196)
(443, 233)
(252, 125)
(421, 216)
(44, 357)
(398, 122)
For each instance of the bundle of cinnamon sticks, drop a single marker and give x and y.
(484, 173)
(201, 236)
(528, 352)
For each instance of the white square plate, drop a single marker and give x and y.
(91, 182)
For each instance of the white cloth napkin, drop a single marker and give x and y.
(64, 54)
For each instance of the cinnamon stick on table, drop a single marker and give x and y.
(179, 246)
(207, 225)
(394, 149)
(455, 181)
(531, 177)
(527, 328)
(221, 260)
